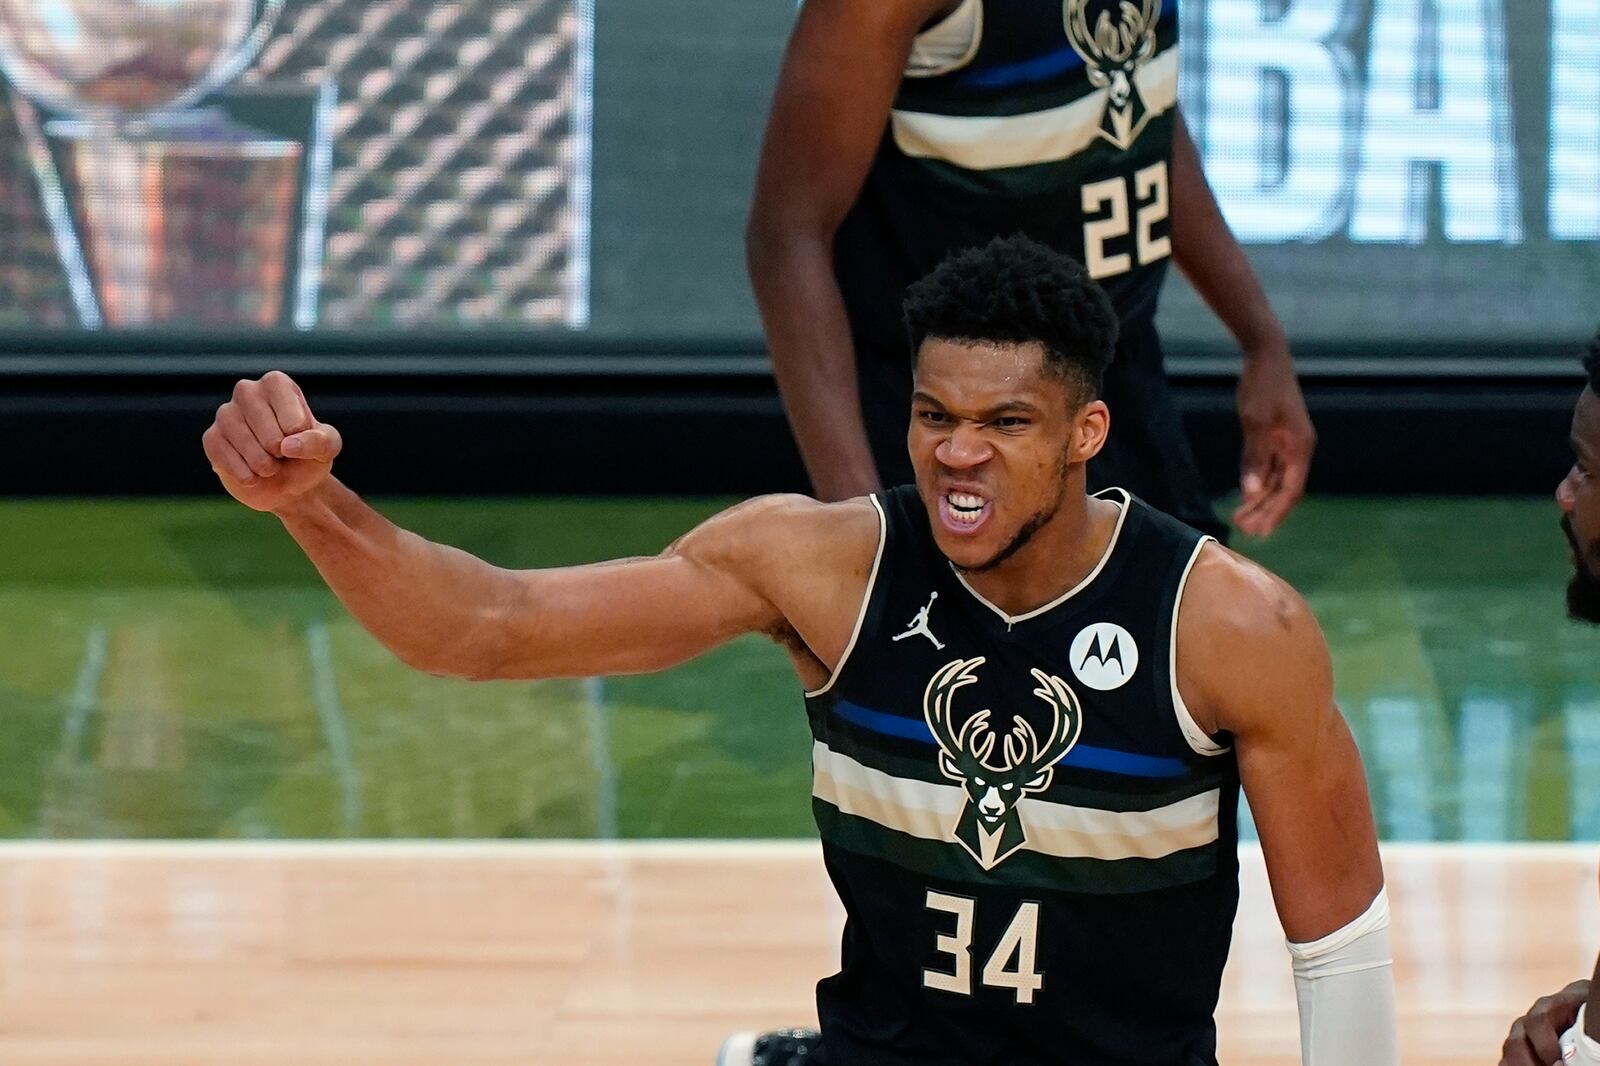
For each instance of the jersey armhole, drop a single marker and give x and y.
(1197, 738)
(949, 44)
(866, 601)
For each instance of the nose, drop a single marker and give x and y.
(963, 449)
(1566, 491)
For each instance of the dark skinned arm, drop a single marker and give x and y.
(839, 77)
(1278, 437)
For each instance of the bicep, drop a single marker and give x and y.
(1272, 680)
(625, 617)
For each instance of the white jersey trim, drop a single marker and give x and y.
(866, 600)
(993, 142)
(949, 44)
(1105, 557)
(1197, 738)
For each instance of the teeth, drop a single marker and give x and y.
(965, 508)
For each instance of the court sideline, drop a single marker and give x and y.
(595, 953)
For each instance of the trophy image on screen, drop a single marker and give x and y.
(172, 213)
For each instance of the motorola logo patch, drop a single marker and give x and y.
(1104, 656)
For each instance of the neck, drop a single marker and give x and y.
(1058, 557)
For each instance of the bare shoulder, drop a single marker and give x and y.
(810, 562)
(770, 538)
(1234, 598)
(1246, 641)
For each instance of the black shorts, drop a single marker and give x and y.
(1148, 452)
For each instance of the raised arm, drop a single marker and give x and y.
(1252, 664)
(839, 77)
(784, 566)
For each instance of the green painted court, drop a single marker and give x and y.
(174, 668)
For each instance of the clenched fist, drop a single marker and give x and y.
(267, 446)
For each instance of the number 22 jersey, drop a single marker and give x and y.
(1052, 118)
(1035, 845)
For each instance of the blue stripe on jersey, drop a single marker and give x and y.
(1127, 763)
(1039, 68)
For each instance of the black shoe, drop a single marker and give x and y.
(785, 1047)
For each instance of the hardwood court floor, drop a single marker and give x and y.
(590, 954)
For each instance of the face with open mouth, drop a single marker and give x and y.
(993, 437)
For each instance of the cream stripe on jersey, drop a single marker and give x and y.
(929, 811)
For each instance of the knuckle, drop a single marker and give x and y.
(242, 388)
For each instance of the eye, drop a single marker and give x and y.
(1009, 422)
(1008, 786)
(933, 418)
(980, 782)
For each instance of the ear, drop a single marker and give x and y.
(948, 765)
(1042, 782)
(1090, 425)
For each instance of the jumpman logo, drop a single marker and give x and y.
(919, 626)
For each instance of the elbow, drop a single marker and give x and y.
(762, 239)
(440, 662)
(775, 238)
(469, 656)
(467, 668)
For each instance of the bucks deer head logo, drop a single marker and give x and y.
(990, 826)
(1113, 50)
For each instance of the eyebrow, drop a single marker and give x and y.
(1008, 407)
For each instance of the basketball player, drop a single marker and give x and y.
(1027, 805)
(1568, 1022)
(905, 129)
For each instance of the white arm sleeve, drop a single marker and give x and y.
(1577, 1047)
(1344, 983)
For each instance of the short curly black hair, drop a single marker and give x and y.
(1591, 362)
(1015, 290)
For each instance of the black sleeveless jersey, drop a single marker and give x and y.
(1035, 845)
(1051, 118)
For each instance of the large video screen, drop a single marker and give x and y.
(1397, 169)
(306, 164)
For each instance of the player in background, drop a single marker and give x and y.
(1565, 1026)
(903, 130)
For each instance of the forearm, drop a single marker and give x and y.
(1210, 258)
(813, 359)
(1344, 987)
(436, 607)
